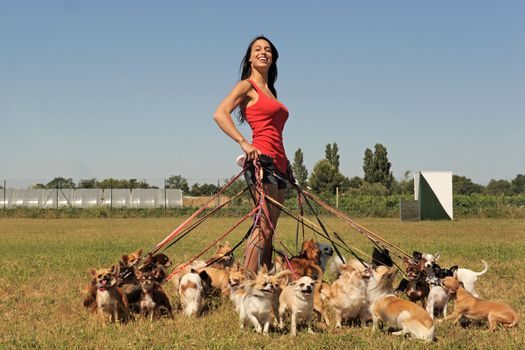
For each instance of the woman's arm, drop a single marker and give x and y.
(223, 118)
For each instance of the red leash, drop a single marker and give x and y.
(211, 245)
(194, 215)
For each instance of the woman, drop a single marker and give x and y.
(255, 98)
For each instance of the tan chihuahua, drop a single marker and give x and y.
(112, 304)
(396, 312)
(297, 298)
(465, 304)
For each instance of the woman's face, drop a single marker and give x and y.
(261, 55)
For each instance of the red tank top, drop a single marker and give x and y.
(267, 117)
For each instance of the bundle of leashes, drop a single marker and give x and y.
(261, 201)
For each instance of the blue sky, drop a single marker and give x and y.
(127, 89)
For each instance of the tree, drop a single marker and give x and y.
(406, 185)
(355, 182)
(518, 184)
(203, 190)
(325, 178)
(113, 183)
(235, 187)
(332, 155)
(464, 185)
(299, 170)
(377, 167)
(498, 187)
(368, 166)
(60, 182)
(179, 182)
(87, 183)
(375, 189)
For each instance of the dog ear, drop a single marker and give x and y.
(204, 275)
(125, 259)
(249, 274)
(115, 269)
(138, 273)
(417, 255)
(138, 252)
(436, 256)
(93, 272)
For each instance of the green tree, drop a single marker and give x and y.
(368, 166)
(299, 170)
(134, 183)
(518, 184)
(203, 190)
(406, 185)
(355, 182)
(208, 189)
(87, 183)
(375, 189)
(464, 185)
(113, 183)
(332, 155)
(377, 167)
(179, 182)
(235, 187)
(61, 182)
(498, 187)
(325, 178)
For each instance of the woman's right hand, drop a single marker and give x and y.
(252, 153)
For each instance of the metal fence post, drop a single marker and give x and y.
(110, 195)
(57, 199)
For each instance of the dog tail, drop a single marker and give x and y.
(485, 268)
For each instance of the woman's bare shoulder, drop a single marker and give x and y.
(243, 86)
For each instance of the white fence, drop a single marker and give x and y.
(89, 198)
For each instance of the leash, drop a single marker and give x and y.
(309, 224)
(181, 267)
(357, 227)
(179, 229)
(202, 219)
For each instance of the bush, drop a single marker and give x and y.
(475, 205)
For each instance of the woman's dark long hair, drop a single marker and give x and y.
(246, 71)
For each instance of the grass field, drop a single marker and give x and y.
(45, 265)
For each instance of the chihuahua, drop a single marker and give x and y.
(154, 302)
(464, 275)
(193, 287)
(307, 263)
(297, 299)
(111, 303)
(465, 304)
(395, 312)
(348, 296)
(255, 304)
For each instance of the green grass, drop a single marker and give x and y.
(45, 267)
